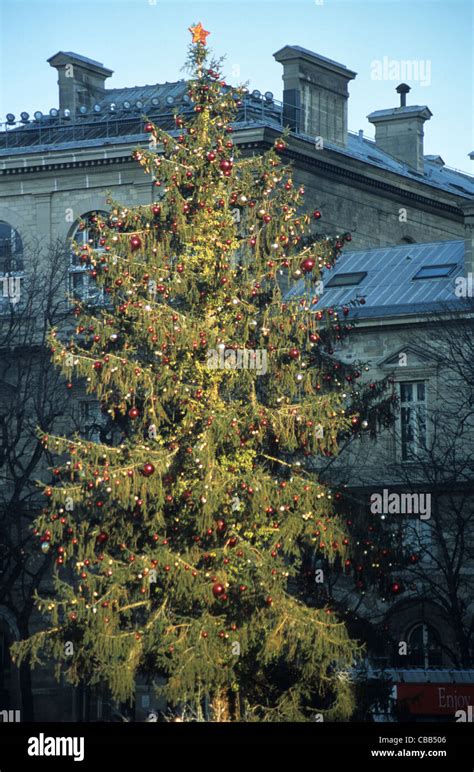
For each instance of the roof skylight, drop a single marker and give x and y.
(435, 271)
(346, 279)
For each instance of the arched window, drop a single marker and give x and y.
(424, 647)
(81, 285)
(11, 266)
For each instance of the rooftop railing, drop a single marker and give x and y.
(66, 129)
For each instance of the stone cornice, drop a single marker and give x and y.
(255, 137)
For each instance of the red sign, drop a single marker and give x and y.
(435, 699)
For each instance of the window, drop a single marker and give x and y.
(435, 271)
(412, 419)
(11, 267)
(424, 647)
(418, 537)
(346, 279)
(91, 419)
(81, 284)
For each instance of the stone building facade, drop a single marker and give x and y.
(57, 168)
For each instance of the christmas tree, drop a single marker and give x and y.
(180, 540)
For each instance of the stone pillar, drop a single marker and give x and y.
(399, 132)
(81, 81)
(315, 93)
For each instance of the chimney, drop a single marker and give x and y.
(399, 130)
(315, 93)
(81, 81)
(468, 210)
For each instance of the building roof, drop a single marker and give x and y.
(96, 127)
(388, 286)
(288, 52)
(400, 112)
(161, 91)
(444, 177)
(73, 55)
(65, 57)
(425, 675)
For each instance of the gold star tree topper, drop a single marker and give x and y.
(199, 34)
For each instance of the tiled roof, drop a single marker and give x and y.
(389, 289)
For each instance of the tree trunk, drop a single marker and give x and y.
(220, 707)
(24, 676)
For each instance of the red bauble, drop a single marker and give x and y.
(348, 237)
(102, 538)
(317, 214)
(135, 243)
(211, 156)
(148, 469)
(133, 412)
(148, 127)
(221, 525)
(97, 365)
(396, 588)
(218, 590)
(293, 353)
(225, 165)
(307, 265)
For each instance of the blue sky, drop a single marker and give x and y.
(145, 41)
